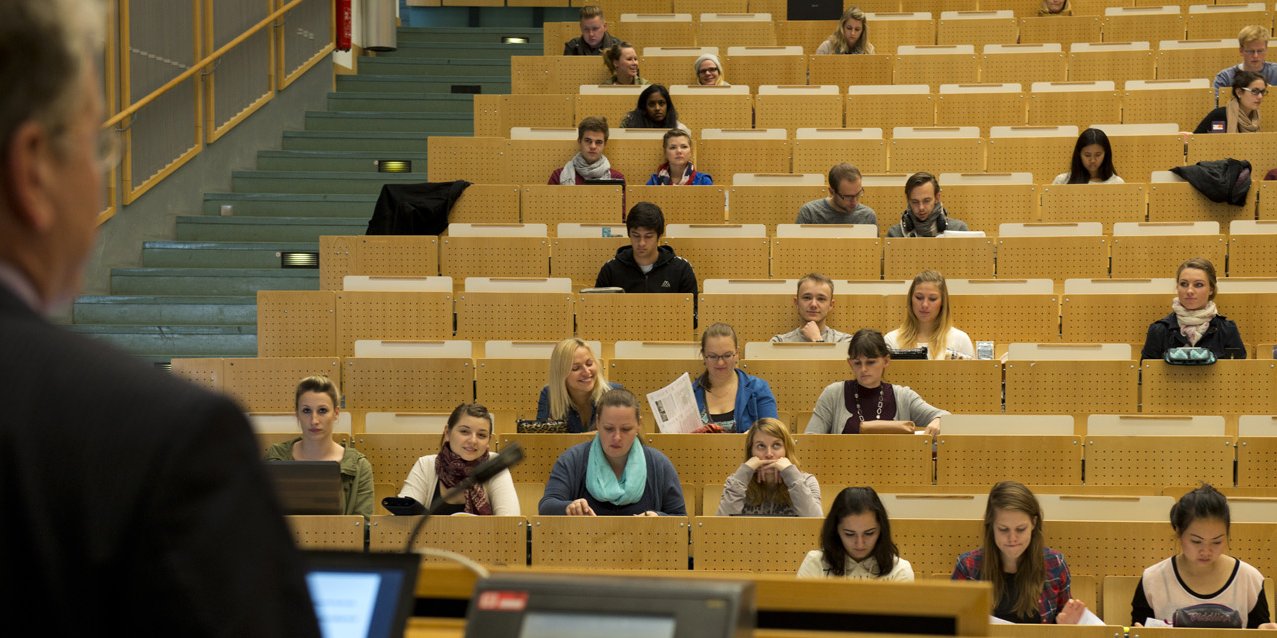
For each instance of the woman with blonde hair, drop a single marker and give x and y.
(576, 383)
(928, 322)
(318, 406)
(622, 63)
(1030, 580)
(709, 71)
(769, 482)
(851, 36)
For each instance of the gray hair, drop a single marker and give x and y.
(45, 46)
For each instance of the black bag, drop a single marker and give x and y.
(1207, 615)
(1189, 356)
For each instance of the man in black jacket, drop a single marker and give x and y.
(645, 265)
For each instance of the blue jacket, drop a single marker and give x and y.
(573, 417)
(663, 493)
(754, 400)
(698, 179)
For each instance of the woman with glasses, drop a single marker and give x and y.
(1241, 114)
(709, 71)
(729, 400)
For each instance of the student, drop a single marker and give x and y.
(1241, 113)
(655, 109)
(1194, 320)
(645, 265)
(317, 404)
(924, 215)
(1030, 580)
(728, 399)
(709, 71)
(621, 60)
(463, 446)
(851, 36)
(594, 38)
(866, 404)
(1252, 44)
(855, 541)
(1055, 8)
(814, 302)
(678, 169)
(613, 474)
(1092, 161)
(769, 482)
(589, 162)
(1201, 520)
(576, 383)
(928, 323)
(843, 204)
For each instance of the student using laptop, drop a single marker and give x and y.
(645, 265)
(316, 402)
(589, 163)
(463, 446)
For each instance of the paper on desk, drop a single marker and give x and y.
(1154, 622)
(674, 407)
(1088, 618)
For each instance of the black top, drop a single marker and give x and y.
(446, 509)
(1006, 603)
(578, 46)
(670, 273)
(1217, 115)
(1221, 338)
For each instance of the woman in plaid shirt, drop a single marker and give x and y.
(1030, 580)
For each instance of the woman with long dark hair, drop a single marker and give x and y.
(855, 541)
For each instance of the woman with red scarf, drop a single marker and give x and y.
(462, 448)
(678, 169)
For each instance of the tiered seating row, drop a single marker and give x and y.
(725, 153)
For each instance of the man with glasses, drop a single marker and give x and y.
(1253, 44)
(594, 36)
(135, 501)
(843, 204)
(645, 265)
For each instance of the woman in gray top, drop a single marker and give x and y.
(866, 404)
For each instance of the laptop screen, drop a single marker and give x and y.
(359, 595)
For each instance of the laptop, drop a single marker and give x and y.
(362, 595)
(307, 487)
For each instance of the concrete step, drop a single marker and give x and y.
(429, 60)
(380, 141)
(479, 47)
(210, 281)
(180, 341)
(338, 161)
(141, 310)
(424, 123)
(316, 182)
(291, 205)
(404, 102)
(409, 84)
(428, 35)
(216, 254)
(282, 229)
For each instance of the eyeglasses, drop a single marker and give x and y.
(1259, 92)
(851, 197)
(1254, 51)
(707, 71)
(716, 358)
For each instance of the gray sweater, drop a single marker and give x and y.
(804, 493)
(819, 211)
(831, 413)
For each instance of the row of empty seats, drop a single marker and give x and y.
(881, 108)
(1049, 384)
(889, 30)
(530, 156)
(910, 64)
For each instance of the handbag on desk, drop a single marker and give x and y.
(1189, 356)
(548, 426)
(1207, 615)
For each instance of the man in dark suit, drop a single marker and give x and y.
(132, 501)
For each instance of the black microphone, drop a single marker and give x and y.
(509, 456)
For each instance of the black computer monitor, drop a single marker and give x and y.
(362, 595)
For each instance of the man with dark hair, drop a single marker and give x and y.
(843, 205)
(645, 265)
(924, 215)
(135, 501)
(594, 37)
(589, 163)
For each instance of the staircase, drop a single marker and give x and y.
(195, 295)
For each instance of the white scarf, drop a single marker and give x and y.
(601, 169)
(1193, 323)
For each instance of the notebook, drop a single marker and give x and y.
(307, 487)
(362, 595)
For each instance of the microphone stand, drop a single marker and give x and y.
(504, 460)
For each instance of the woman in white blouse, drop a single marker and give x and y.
(463, 446)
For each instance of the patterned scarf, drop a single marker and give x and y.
(452, 469)
(601, 169)
(1239, 121)
(663, 176)
(1193, 323)
(921, 228)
